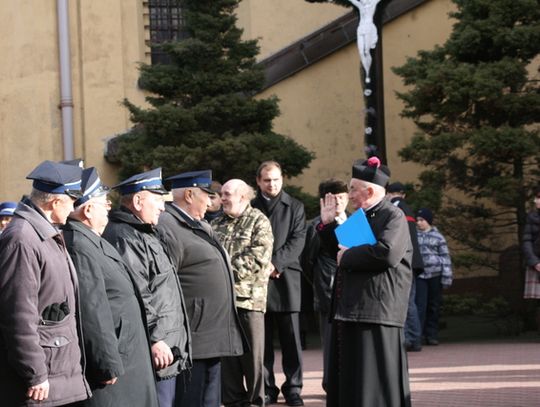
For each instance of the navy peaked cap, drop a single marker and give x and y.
(146, 181)
(91, 186)
(199, 179)
(7, 208)
(57, 178)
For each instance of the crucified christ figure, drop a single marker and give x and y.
(366, 32)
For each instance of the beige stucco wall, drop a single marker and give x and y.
(420, 29)
(321, 109)
(278, 23)
(107, 40)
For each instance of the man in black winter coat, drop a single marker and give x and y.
(368, 360)
(287, 217)
(320, 265)
(131, 230)
(413, 328)
(118, 361)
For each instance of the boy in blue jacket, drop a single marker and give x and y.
(437, 274)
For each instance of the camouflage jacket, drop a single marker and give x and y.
(248, 239)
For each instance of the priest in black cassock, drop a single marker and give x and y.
(368, 359)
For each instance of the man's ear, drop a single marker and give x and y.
(87, 212)
(188, 195)
(136, 202)
(55, 202)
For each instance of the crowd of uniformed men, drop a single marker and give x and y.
(151, 305)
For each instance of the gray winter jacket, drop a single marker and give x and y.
(208, 283)
(35, 273)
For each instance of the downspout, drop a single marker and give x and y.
(66, 95)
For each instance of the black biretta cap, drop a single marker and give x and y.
(371, 170)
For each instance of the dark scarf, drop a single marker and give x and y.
(268, 204)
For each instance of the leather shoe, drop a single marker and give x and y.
(268, 399)
(413, 348)
(432, 342)
(294, 399)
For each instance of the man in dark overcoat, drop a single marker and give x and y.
(118, 361)
(131, 230)
(321, 266)
(287, 217)
(208, 285)
(368, 359)
(40, 359)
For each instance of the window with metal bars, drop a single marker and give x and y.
(166, 24)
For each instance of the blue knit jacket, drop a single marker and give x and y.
(435, 255)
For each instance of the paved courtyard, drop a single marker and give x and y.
(473, 374)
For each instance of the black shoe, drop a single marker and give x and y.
(413, 348)
(432, 342)
(294, 399)
(268, 399)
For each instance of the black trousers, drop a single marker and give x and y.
(200, 386)
(288, 327)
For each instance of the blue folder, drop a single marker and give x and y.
(355, 231)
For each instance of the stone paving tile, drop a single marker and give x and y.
(481, 374)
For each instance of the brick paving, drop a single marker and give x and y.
(473, 374)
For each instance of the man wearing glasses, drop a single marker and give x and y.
(118, 362)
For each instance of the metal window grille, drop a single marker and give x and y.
(166, 24)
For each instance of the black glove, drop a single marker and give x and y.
(55, 312)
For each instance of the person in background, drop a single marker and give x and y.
(215, 209)
(413, 330)
(131, 230)
(287, 218)
(437, 275)
(208, 284)
(40, 359)
(368, 360)
(531, 251)
(6, 213)
(321, 265)
(246, 234)
(117, 351)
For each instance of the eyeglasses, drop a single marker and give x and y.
(107, 204)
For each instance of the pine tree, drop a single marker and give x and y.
(476, 101)
(202, 112)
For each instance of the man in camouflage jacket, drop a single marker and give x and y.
(246, 233)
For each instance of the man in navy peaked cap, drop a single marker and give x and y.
(207, 281)
(131, 230)
(38, 296)
(6, 213)
(118, 360)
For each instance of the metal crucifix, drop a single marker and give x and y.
(367, 38)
